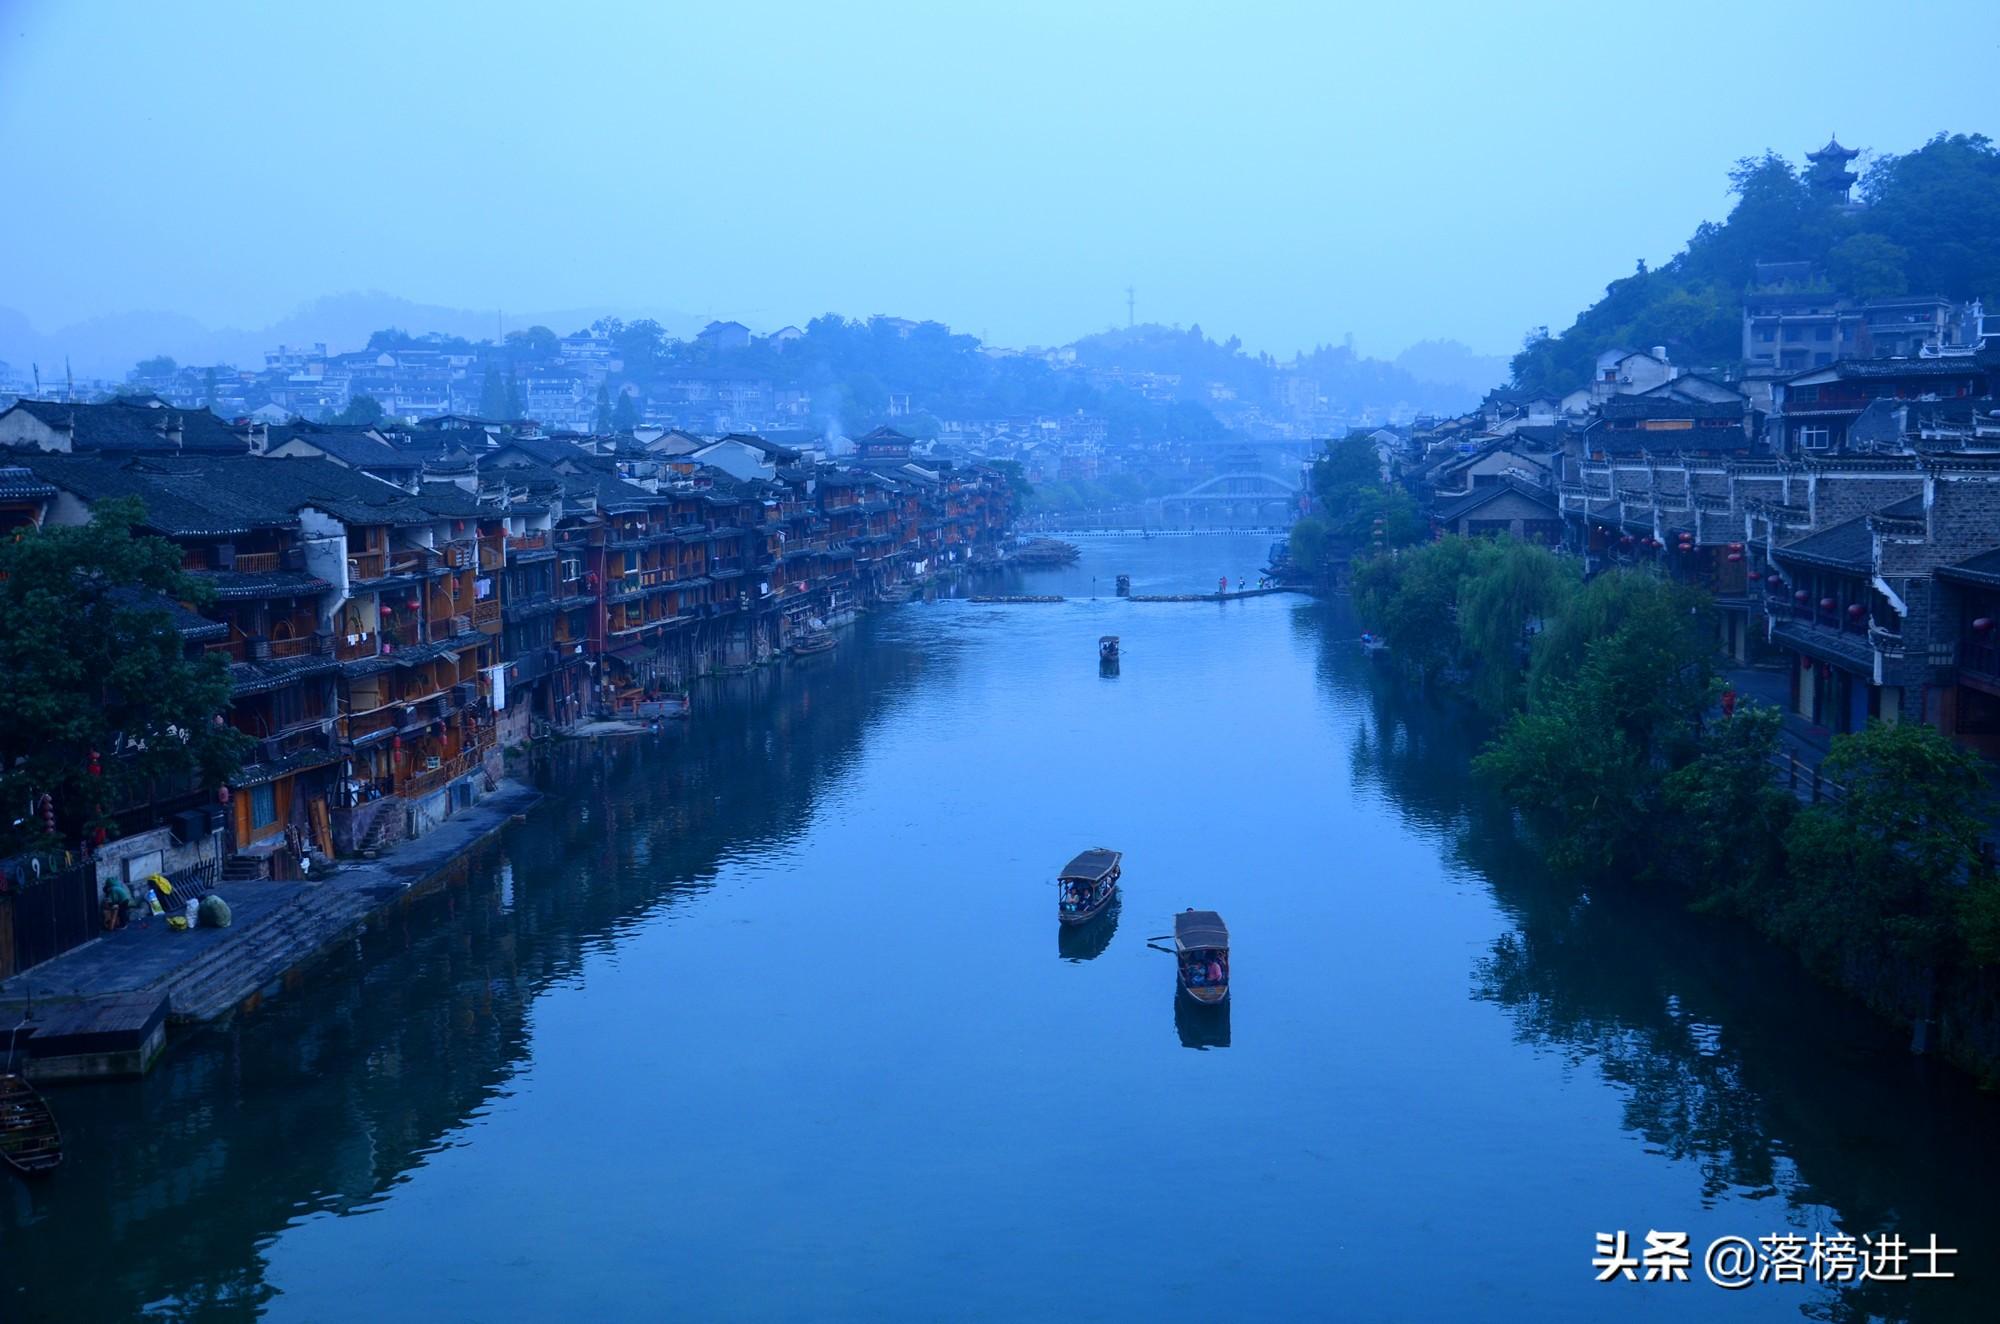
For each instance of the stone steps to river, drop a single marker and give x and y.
(214, 985)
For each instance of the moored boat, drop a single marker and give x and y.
(1201, 955)
(30, 1140)
(1087, 885)
(811, 642)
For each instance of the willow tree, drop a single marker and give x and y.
(1513, 591)
(103, 702)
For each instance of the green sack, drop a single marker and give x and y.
(214, 912)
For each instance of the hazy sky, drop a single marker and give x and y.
(1285, 172)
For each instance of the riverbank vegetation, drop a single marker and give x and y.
(1931, 226)
(1354, 511)
(1609, 746)
(104, 701)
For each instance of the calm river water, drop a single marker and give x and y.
(768, 1017)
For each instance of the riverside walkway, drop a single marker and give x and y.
(275, 926)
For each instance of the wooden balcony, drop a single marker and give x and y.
(256, 563)
(486, 616)
(425, 780)
(367, 565)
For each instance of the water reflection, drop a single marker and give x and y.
(1107, 667)
(1086, 942)
(1198, 1024)
(1725, 1053)
(387, 1052)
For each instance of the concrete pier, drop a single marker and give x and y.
(204, 974)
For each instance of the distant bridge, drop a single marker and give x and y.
(1248, 499)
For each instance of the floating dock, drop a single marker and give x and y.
(988, 597)
(1214, 597)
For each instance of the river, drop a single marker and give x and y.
(767, 1016)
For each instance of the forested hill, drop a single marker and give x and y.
(1929, 224)
(1187, 365)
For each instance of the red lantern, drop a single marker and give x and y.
(1801, 597)
(1855, 611)
(395, 742)
(1736, 547)
(1687, 547)
(1753, 576)
(1736, 556)
(1827, 604)
(1983, 624)
(96, 768)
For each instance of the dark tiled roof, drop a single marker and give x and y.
(1656, 406)
(1846, 546)
(355, 446)
(1478, 497)
(276, 673)
(778, 454)
(138, 428)
(1907, 508)
(19, 484)
(1983, 569)
(1889, 369)
(222, 495)
(190, 625)
(232, 585)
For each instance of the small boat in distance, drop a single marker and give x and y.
(1087, 885)
(1374, 645)
(1107, 648)
(811, 642)
(1201, 953)
(30, 1140)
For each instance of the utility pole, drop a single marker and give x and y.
(1129, 305)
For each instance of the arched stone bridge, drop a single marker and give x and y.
(1245, 500)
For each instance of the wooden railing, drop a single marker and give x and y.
(486, 615)
(429, 779)
(367, 565)
(256, 563)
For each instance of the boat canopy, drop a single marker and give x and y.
(1200, 930)
(1092, 866)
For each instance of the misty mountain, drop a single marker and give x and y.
(1449, 363)
(108, 346)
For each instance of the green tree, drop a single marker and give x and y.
(625, 414)
(96, 672)
(1411, 597)
(1513, 590)
(1894, 861)
(1868, 266)
(1586, 760)
(493, 392)
(602, 422)
(362, 411)
(160, 365)
(1729, 816)
(1308, 543)
(1941, 204)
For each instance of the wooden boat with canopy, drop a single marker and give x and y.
(1087, 885)
(30, 1141)
(1107, 648)
(1201, 952)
